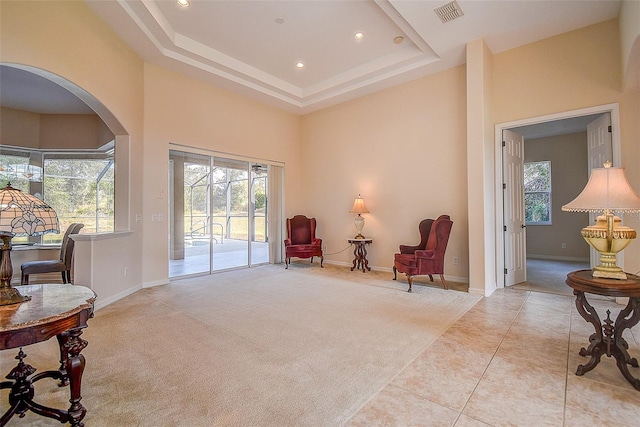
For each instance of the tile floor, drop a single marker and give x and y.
(511, 361)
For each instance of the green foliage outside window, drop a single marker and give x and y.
(537, 192)
(78, 186)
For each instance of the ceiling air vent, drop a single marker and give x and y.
(449, 11)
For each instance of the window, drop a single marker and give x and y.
(537, 193)
(79, 186)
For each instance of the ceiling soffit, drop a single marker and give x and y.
(208, 40)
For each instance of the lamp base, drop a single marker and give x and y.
(604, 274)
(608, 237)
(10, 296)
(359, 236)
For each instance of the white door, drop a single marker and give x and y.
(599, 150)
(513, 186)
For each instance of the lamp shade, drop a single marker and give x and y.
(359, 206)
(22, 214)
(608, 189)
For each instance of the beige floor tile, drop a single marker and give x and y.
(394, 406)
(535, 351)
(497, 407)
(464, 421)
(605, 401)
(579, 418)
(446, 374)
(518, 378)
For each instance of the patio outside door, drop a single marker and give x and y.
(218, 214)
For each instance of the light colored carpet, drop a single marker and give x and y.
(549, 276)
(256, 347)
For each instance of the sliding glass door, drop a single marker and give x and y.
(218, 213)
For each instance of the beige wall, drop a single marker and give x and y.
(630, 42)
(567, 72)
(480, 168)
(184, 111)
(58, 131)
(569, 175)
(404, 150)
(68, 131)
(19, 128)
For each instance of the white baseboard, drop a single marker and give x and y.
(390, 271)
(155, 283)
(100, 303)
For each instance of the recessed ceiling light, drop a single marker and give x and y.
(398, 40)
(359, 36)
(299, 65)
(183, 3)
(279, 21)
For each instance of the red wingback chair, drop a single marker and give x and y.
(427, 258)
(301, 239)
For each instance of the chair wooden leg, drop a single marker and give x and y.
(410, 283)
(431, 278)
(286, 263)
(395, 273)
(25, 279)
(321, 261)
(64, 277)
(444, 282)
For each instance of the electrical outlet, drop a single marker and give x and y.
(455, 260)
(324, 248)
(564, 246)
(126, 271)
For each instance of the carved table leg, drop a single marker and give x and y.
(64, 356)
(75, 367)
(364, 258)
(21, 389)
(607, 338)
(355, 255)
(627, 318)
(595, 349)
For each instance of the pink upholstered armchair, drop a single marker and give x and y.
(301, 239)
(427, 258)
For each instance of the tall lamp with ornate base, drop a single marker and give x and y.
(359, 208)
(21, 214)
(607, 191)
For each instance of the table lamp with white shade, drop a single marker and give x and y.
(359, 208)
(607, 191)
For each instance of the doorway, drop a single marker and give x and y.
(218, 213)
(540, 127)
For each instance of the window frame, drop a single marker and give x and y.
(37, 158)
(547, 192)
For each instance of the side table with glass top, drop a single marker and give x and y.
(360, 253)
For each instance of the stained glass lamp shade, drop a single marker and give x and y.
(21, 214)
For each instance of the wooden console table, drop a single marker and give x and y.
(607, 339)
(360, 254)
(54, 310)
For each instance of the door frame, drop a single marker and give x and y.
(612, 109)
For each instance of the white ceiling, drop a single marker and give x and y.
(251, 47)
